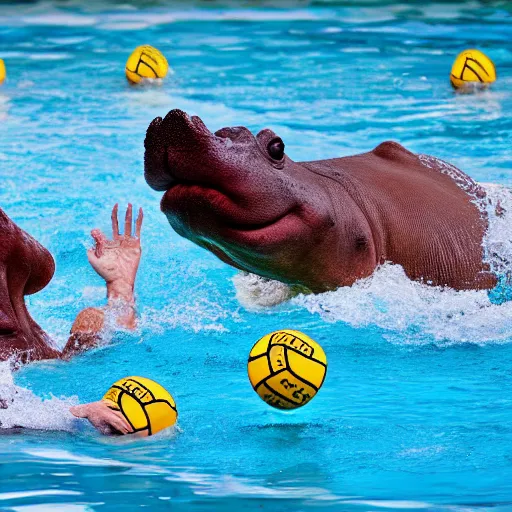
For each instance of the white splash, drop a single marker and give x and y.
(203, 315)
(410, 312)
(498, 239)
(256, 292)
(19, 407)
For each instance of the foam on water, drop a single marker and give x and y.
(498, 239)
(256, 292)
(412, 312)
(203, 315)
(15, 402)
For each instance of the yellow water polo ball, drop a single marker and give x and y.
(3, 73)
(147, 406)
(287, 368)
(146, 62)
(472, 68)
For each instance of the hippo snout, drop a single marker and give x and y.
(170, 142)
(22, 254)
(156, 169)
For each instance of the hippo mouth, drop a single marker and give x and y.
(183, 197)
(187, 202)
(8, 327)
(205, 190)
(181, 194)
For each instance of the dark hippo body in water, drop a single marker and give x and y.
(25, 268)
(321, 224)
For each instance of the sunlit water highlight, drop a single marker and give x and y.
(415, 412)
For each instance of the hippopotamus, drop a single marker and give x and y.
(318, 224)
(26, 267)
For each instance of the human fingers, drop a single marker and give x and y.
(128, 221)
(79, 411)
(115, 222)
(99, 240)
(118, 421)
(138, 223)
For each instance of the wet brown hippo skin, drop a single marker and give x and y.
(25, 268)
(318, 224)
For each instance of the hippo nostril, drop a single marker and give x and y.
(235, 133)
(222, 133)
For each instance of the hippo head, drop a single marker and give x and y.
(239, 196)
(25, 268)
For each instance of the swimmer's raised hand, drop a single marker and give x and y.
(117, 260)
(108, 421)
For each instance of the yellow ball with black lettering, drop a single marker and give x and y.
(472, 69)
(3, 73)
(147, 406)
(287, 368)
(146, 62)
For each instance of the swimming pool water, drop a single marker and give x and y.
(416, 409)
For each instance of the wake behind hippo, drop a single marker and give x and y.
(320, 224)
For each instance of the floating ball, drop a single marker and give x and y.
(147, 406)
(146, 62)
(3, 73)
(287, 368)
(472, 68)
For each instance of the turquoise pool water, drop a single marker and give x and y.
(416, 409)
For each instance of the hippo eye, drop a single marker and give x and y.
(275, 149)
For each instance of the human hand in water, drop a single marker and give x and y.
(108, 421)
(117, 260)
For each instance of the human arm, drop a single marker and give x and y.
(117, 261)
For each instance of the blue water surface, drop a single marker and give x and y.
(416, 409)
